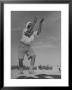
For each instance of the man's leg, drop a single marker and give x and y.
(32, 62)
(21, 54)
(21, 65)
(31, 56)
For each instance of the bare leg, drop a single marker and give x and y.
(21, 65)
(32, 62)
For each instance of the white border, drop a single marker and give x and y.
(64, 8)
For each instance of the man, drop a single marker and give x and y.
(25, 47)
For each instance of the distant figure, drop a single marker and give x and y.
(25, 44)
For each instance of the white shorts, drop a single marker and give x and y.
(25, 49)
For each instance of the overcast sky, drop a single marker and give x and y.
(48, 46)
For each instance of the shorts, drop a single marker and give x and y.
(25, 49)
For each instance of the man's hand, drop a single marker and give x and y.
(35, 19)
(34, 22)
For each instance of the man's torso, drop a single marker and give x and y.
(27, 39)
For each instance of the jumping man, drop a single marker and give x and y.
(25, 47)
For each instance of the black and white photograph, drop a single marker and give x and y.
(35, 44)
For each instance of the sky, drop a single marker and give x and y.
(47, 46)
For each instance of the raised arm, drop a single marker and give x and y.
(34, 22)
(40, 26)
